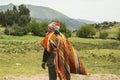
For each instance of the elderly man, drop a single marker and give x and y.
(59, 55)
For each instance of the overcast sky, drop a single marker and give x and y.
(95, 10)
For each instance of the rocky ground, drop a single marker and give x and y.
(74, 77)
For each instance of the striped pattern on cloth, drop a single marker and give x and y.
(66, 60)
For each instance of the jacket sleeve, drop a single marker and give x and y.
(45, 55)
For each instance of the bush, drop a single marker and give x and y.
(19, 31)
(34, 27)
(118, 35)
(7, 31)
(43, 28)
(103, 35)
(16, 30)
(86, 31)
(38, 29)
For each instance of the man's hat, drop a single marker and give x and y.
(54, 26)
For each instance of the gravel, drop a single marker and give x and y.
(74, 77)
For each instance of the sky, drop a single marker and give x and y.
(94, 10)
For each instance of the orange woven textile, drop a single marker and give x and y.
(66, 60)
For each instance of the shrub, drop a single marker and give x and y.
(103, 35)
(19, 31)
(118, 35)
(6, 31)
(40, 29)
(43, 28)
(86, 31)
(16, 30)
(34, 27)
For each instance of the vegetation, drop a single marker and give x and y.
(15, 20)
(112, 31)
(16, 30)
(23, 55)
(118, 35)
(103, 35)
(86, 31)
(17, 23)
(20, 16)
(40, 29)
(104, 25)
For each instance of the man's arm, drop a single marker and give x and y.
(45, 58)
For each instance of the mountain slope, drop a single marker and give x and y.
(112, 31)
(44, 13)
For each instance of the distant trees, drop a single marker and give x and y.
(20, 16)
(2, 18)
(40, 29)
(24, 15)
(104, 25)
(15, 20)
(86, 31)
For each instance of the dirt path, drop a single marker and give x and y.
(74, 77)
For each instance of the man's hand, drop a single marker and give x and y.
(43, 65)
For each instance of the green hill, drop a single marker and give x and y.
(112, 31)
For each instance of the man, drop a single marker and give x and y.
(59, 55)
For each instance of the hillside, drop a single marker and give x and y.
(44, 13)
(112, 31)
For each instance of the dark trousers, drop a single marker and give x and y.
(52, 73)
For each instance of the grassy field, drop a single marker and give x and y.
(23, 55)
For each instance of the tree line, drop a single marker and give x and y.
(20, 16)
(18, 22)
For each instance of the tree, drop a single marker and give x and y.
(24, 15)
(9, 17)
(86, 31)
(15, 15)
(34, 27)
(40, 29)
(23, 20)
(2, 19)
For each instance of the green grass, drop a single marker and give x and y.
(20, 64)
(23, 55)
(101, 60)
(25, 50)
(87, 44)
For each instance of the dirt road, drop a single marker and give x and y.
(74, 77)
